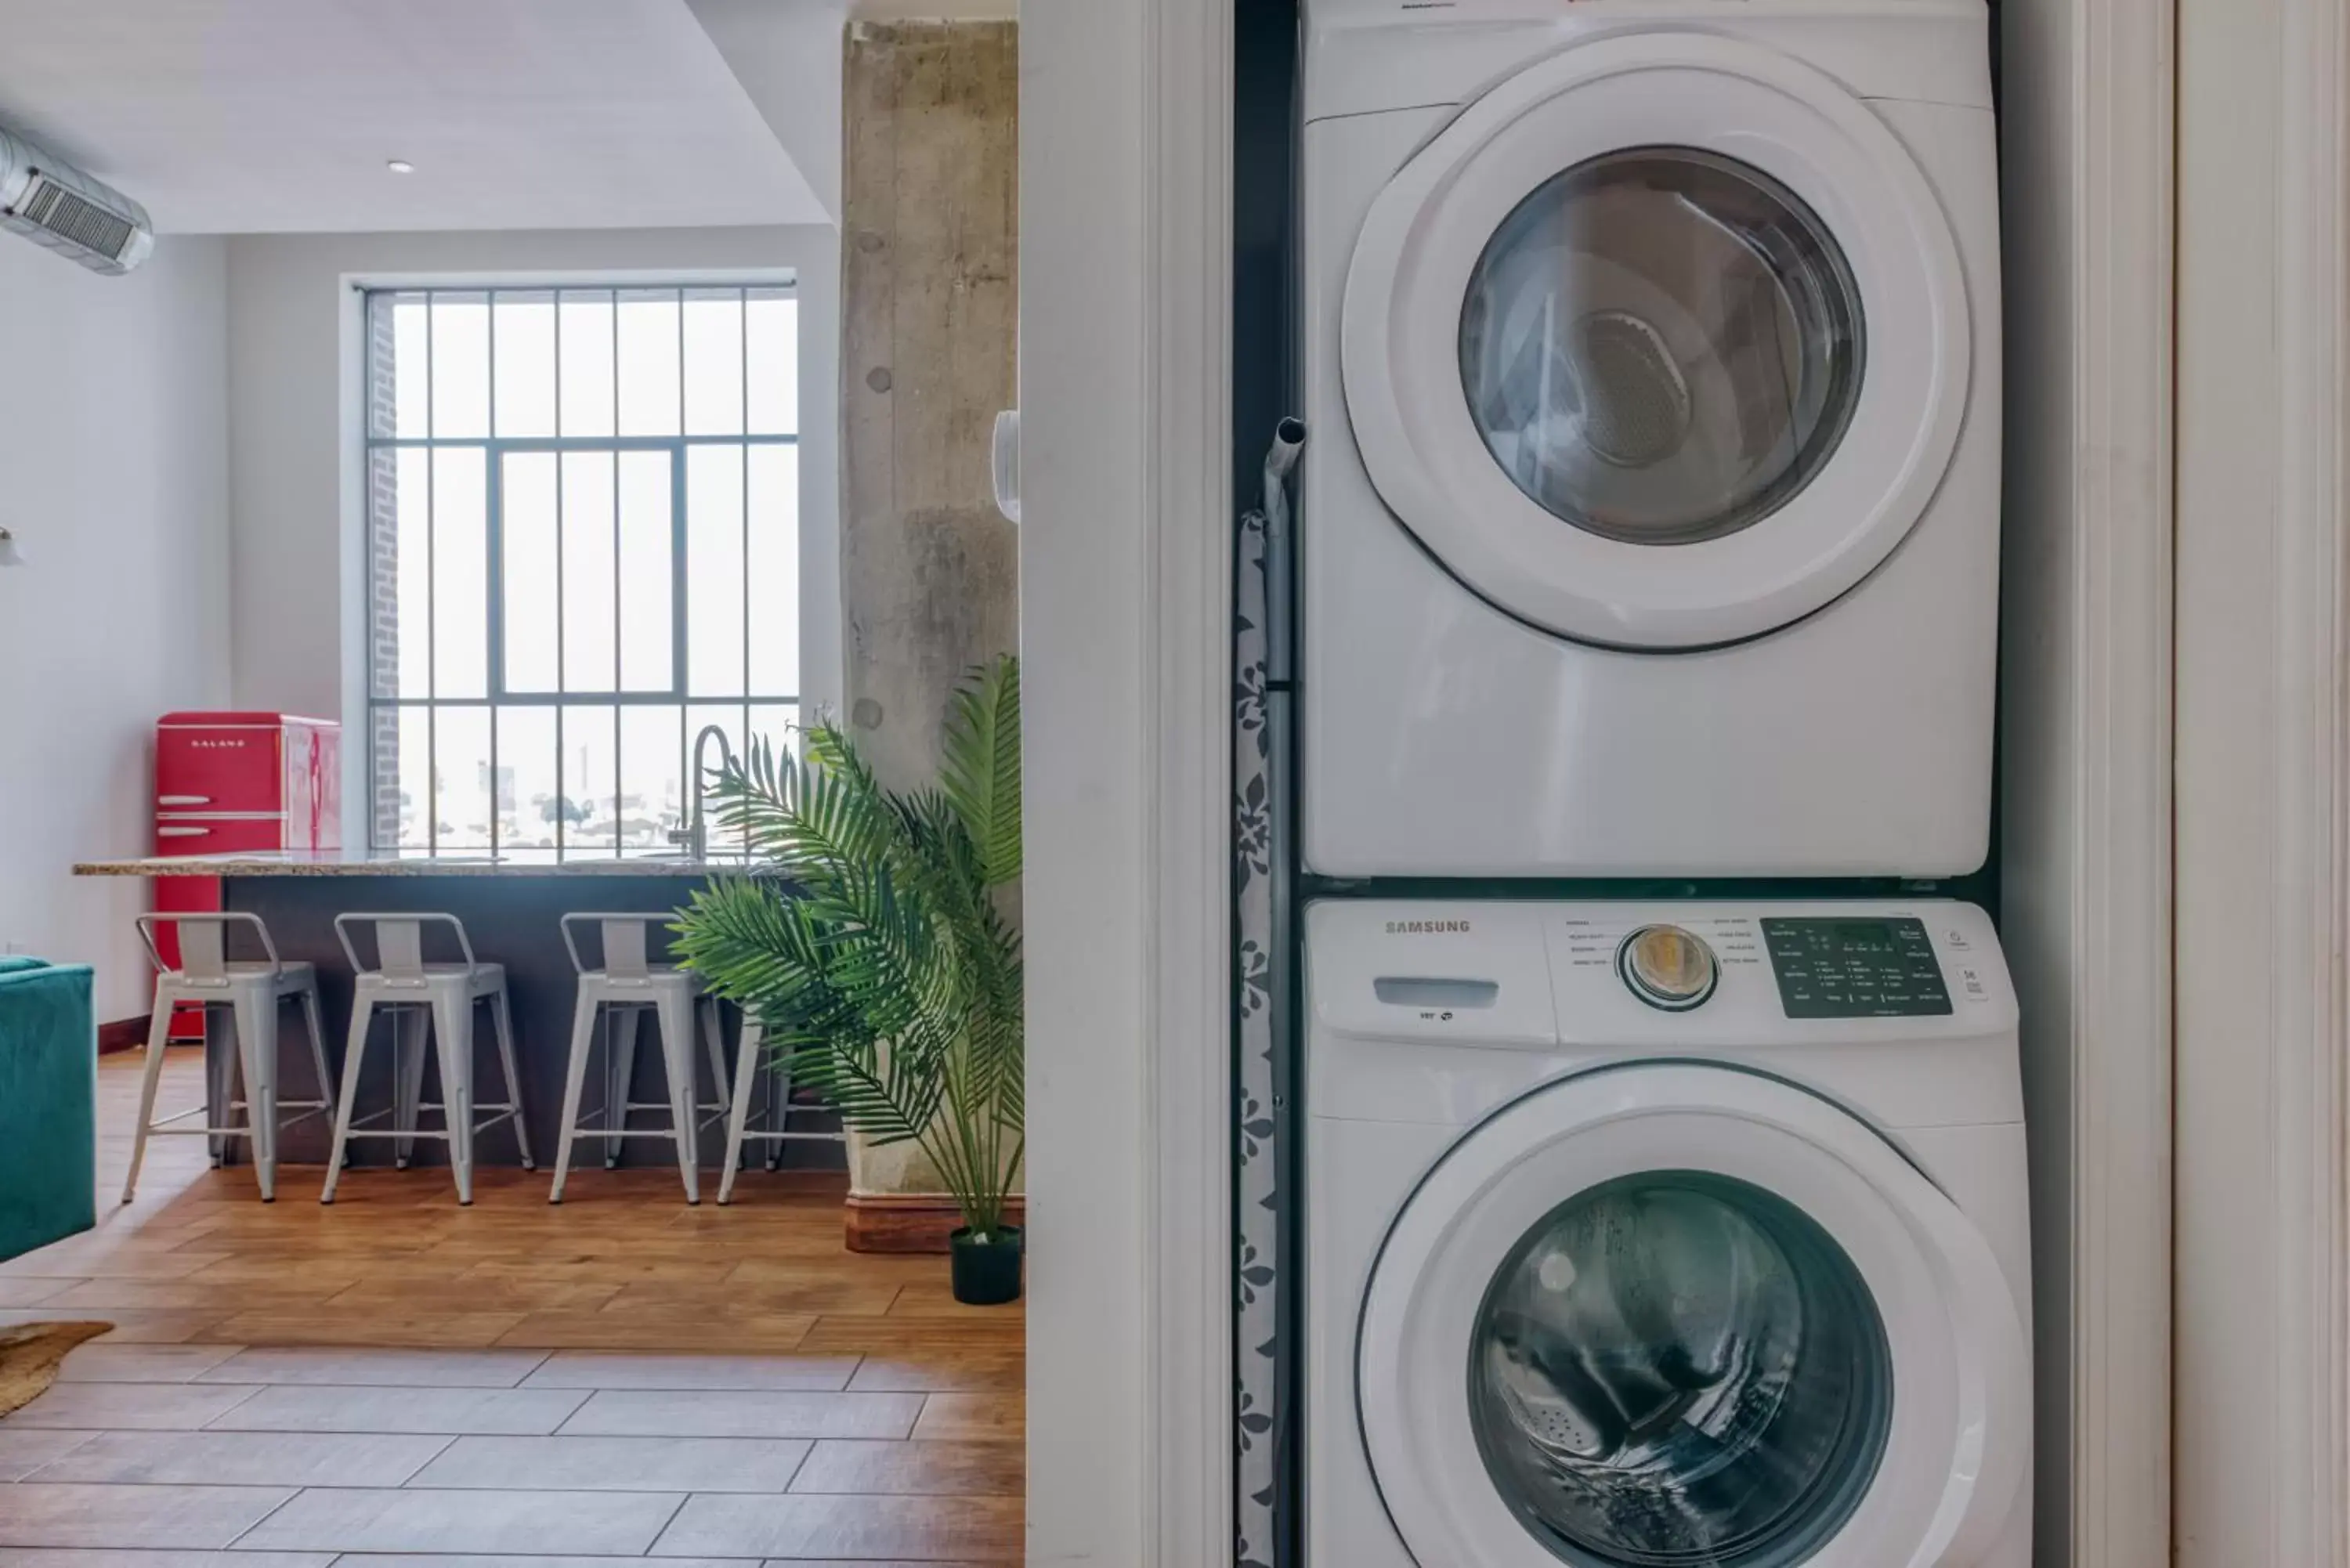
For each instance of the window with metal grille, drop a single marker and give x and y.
(583, 511)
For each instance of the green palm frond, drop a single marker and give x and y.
(872, 1088)
(981, 773)
(872, 945)
(797, 811)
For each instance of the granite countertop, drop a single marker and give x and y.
(417, 863)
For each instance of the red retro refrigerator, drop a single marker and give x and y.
(241, 783)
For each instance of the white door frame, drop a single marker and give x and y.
(2087, 184)
(1126, 634)
(1126, 196)
(2263, 1262)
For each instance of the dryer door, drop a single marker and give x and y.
(1663, 343)
(1674, 1313)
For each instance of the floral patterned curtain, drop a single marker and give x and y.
(1261, 958)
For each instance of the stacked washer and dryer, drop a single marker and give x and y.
(1649, 532)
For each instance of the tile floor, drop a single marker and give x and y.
(402, 1384)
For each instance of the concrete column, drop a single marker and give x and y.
(929, 352)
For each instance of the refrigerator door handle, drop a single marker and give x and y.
(168, 832)
(183, 800)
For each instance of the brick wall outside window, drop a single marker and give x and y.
(383, 580)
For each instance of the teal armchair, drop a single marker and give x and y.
(48, 1104)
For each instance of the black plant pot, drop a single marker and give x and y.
(986, 1273)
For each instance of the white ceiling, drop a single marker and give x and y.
(262, 115)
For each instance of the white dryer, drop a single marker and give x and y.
(1649, 522)
(1664, 1234)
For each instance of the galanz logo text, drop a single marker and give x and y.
(1425, 928)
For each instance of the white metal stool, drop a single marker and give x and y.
(253, 991)
(778, 1130)
(625, 987)
(422, 997)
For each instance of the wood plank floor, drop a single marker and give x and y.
(411, 1385)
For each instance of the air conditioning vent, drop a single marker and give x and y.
(58, 207)
(86, 223)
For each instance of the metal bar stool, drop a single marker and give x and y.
(253, 991)
(625, 987)
(778, 1130)
(419, 998)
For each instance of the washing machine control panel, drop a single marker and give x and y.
(1855, 967)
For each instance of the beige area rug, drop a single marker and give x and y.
(30, 1356)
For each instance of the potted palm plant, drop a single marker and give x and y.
(875, 942)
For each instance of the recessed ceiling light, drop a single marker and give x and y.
(400, 166)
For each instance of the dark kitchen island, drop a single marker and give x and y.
(512, 905)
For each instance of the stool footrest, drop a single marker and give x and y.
(357, 1129)
(624, 1132)
(245, 1132)
(166, 1128)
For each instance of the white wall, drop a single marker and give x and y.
(789, 60)
(293, 391)
(114, 440)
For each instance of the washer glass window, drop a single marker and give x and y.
(1679, 1368)
(1662, 346)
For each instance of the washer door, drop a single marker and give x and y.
(1661, 343)
(1680, 1314)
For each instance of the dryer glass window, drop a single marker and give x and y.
(1680, 1369)
(1662, 346)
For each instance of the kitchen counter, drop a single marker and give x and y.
(417, 863)
(513, 904)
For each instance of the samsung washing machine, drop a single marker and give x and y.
(1649, 524)
(1664, 1234)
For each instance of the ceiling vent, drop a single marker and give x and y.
(52, 204)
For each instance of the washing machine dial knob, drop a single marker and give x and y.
(1667, 967)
